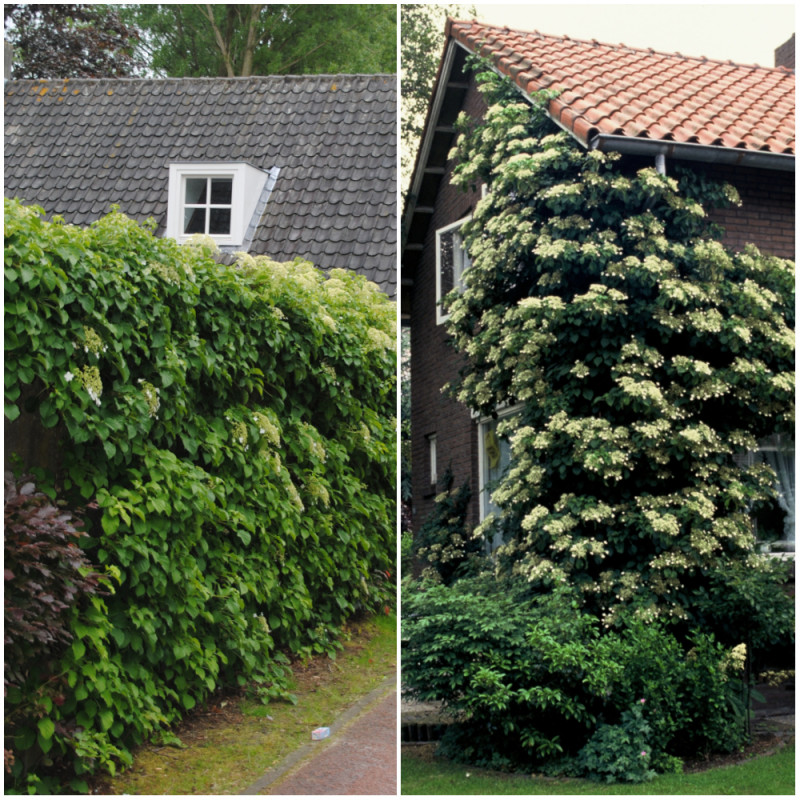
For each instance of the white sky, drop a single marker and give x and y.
(746, 33)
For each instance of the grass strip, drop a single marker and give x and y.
(232, 742)
(763, 775)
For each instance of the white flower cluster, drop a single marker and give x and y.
(267, 428)
(151, 397)
(317, 491)
(89, 378)
(735, 660)
(92, 343)
(663, 523)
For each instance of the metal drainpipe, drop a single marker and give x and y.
(661, 164)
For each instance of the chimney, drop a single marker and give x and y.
(784, 55)
(8, 60)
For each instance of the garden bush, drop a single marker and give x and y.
(533, 681)
(234, 428)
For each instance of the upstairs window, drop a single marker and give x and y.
(221, 200)
(452, 261)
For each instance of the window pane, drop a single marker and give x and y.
(461, 261)
(446, 261)
(220, 221)
(196, 190)
(194, 220)
(221, 191)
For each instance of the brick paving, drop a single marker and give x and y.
(359, 757)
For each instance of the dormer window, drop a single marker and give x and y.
(452, 261)
(223, 201)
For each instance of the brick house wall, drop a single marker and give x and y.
(766, 216)
(766, 219)
(434, 362)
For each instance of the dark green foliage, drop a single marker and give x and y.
(533, 681)
(619, 753)
(747, 603)
(234, 427)
(442, 545)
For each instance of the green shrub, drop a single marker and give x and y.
(619, 753)
(234, 427)
(534, 680)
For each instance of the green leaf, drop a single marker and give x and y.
(46, 727)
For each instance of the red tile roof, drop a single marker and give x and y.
(619, 90)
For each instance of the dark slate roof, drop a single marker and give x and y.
(75, 147)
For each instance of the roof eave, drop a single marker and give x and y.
(687, 151)
(437, 99)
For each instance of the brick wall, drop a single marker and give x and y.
(766, 216)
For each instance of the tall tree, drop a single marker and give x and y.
(421, 42)
(215, 39)
(69, 41)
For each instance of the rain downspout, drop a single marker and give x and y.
(661, 164)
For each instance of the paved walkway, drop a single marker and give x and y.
(359, 757)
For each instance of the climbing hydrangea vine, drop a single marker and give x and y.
(234, 429)
(639, 353)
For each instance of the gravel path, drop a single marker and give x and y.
(359, 757)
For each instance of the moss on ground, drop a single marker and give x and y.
(232, 741)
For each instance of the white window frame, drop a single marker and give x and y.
(247, 184)
(458, 279)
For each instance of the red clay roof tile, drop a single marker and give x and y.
(613, 89)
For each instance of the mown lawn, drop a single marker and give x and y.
(421, 774)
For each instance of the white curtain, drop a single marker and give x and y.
(781, 458)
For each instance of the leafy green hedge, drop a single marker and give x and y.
(234, 427)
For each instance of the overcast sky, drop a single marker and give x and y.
(747, 33)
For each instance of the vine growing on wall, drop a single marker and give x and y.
(234, 428)
(640, 355)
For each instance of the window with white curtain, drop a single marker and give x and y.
(778, 452)
(494, 452)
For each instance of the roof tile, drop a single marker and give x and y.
(611, 88)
